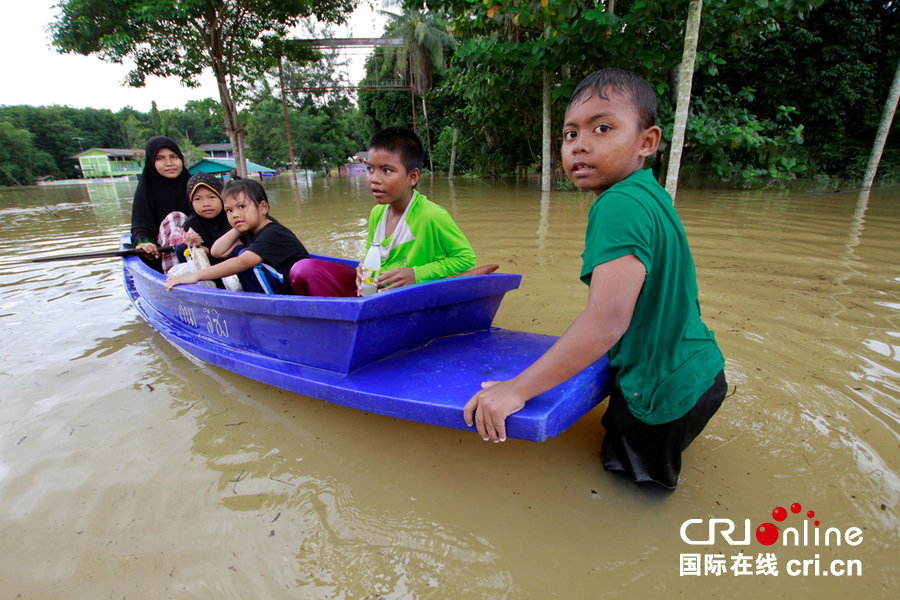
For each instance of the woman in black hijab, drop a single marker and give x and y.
(161, 196)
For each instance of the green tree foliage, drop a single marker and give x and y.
(508, 44)
(265, 130)
(55, 130)
(132, 131)
(324, 80)
(211, 122)
(20, 157)
(186, 127)
(323, 139)
(324, 124)
(183, 38)
(731, 143)
(427, 38)
(380, 109)
(835, 67)
(58, 133)
(155, 124)
(384, 108)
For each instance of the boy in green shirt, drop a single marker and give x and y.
(642, 306)
(419, 239)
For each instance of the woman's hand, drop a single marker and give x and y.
(396, 278)
(149, 248)
(192, 238)
(174, 280)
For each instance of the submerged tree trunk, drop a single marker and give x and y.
(887, 117)
(546, 162)
(453, 152)
(691, 33)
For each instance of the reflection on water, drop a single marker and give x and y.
(126, 465)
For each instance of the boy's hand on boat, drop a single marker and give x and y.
(488, 409)
(174, 280)
(395, 278)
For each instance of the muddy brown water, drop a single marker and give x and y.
(128, 469)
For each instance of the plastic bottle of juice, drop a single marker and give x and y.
(371, 269)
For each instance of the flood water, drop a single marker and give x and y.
(129, 469)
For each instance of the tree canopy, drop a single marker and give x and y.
(782, 88)
(182, 38)
(57, 133)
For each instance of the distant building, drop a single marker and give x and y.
(222, 166)
(110, 162)
(225, 150)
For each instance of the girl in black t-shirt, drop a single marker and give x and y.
(262, 250)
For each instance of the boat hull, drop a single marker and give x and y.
(418, 353)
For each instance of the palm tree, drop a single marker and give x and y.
(426, 36)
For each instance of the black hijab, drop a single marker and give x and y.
(208, 229)
(157, 196)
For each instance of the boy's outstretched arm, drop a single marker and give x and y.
(615, 286)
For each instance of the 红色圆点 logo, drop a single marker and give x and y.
(703, 532)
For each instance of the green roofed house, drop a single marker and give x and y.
(216, 166)
(110, 162)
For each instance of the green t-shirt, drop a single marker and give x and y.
(426, 239)
(667, 357)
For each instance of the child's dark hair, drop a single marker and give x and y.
(402, 141)
(253, 190)
(632, 85)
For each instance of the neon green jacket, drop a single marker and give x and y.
(426, 239)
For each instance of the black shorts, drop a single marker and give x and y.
(653, 452)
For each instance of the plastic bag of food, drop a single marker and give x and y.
(192, 266)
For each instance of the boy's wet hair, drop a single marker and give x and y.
(402, 141)
(632, 85)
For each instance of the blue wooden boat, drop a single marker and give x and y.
(417, 353)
